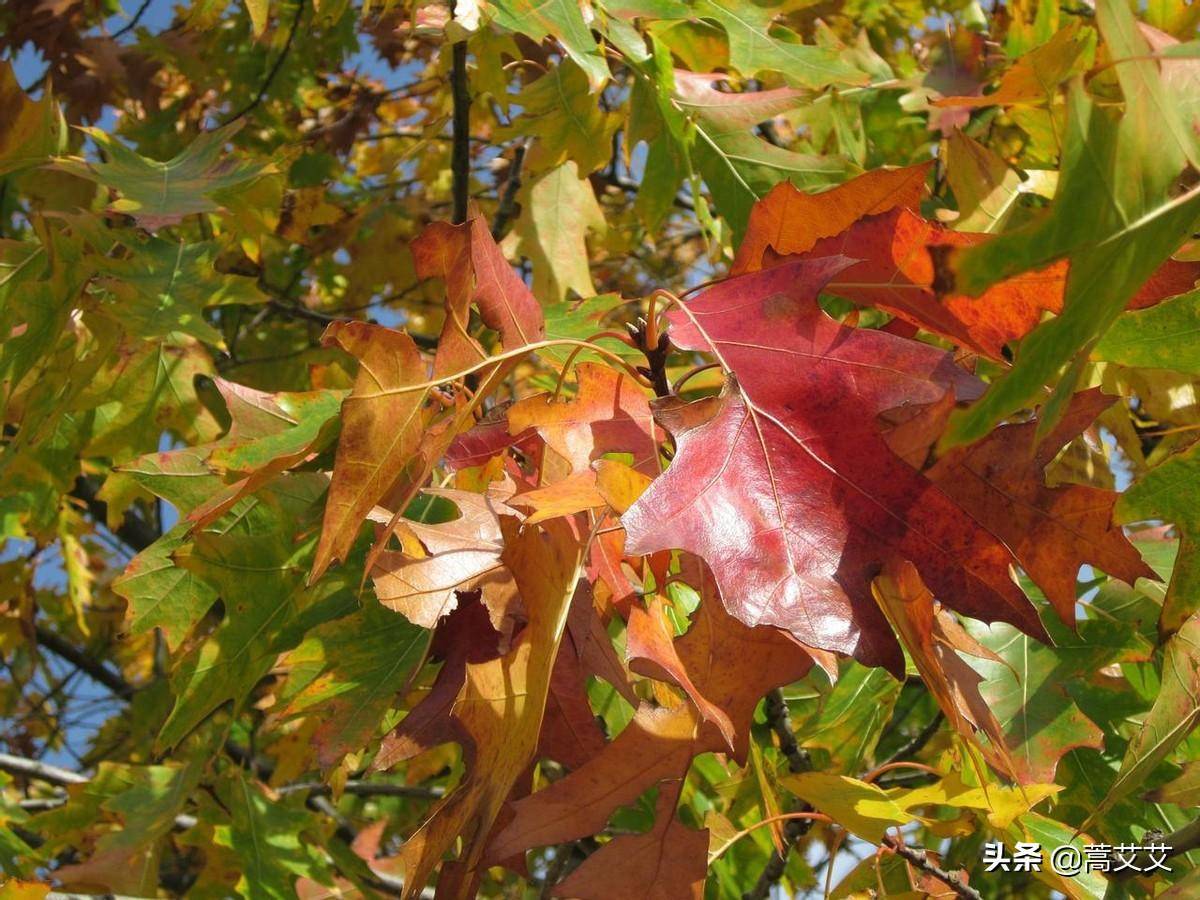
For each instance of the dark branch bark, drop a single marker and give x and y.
(425, 342)
(366, 789)
(1181, 841)
(508, 200)
(795, 829)
(460, 151)
(133, 23)
(913, 747)
(135, 531)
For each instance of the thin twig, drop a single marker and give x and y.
(94, 668)
(132, 23)
(508, 200)
(36, 769)
(1182, 840)
(366, 789)
(295, 311)
(913, 747)
(918, 857)
(274, 70)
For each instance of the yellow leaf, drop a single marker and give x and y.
(258, 10)
(861, 808)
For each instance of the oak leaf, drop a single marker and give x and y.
(382, 429)
(663, 740)
(497, 715)
(463, 554)
(668, 862)
(1052, 531)
(784, 484)
(724, 666)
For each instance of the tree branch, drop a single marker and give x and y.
(913, 747)
(425, 342)
(1182, 840)
(460, 151)
(916, 856)
(133, 530)
(132, 23)
(780, 721)
(274, 70)
(40, 771)
(508, 200)
(92, 667)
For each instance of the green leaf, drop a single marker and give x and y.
(348, 672)
(561, 112)
(579, 320)
(737, 165)
(852, 716)
(1116, 217)
(265, 834)
(1167, 492)
(1165, 336)
(164, 286)
(251, 558)
(1030, 691)
(1183, 790)
(558, 209)
(33, 131)
(161, 594)
(1175, 714)
(755, 45)
(163, 193)
(562, 20)
(143, 801)
(986, 189)
(1049, 834)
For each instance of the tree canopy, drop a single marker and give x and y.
(599, 449)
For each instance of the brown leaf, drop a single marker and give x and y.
(661, 740)
(463, 555)
(498, 713)
(475, 271)
(954, 685)
(609, 413)
(724, 666)
(668, 862)
(381, 430)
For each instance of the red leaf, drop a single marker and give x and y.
(785, 486)
(1052, 531)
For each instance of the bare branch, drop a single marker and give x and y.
(780, 721)
(508, 200)
(40, 771)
